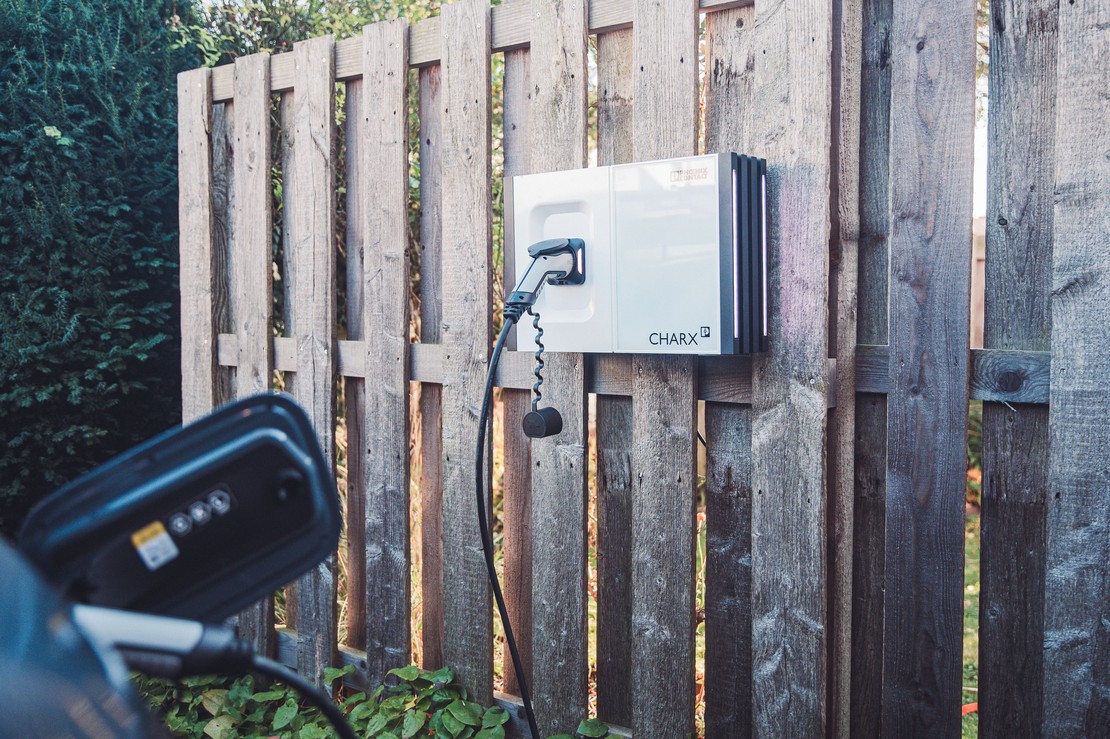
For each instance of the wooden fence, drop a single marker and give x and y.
(835, 463)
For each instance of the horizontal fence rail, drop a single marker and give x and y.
(830, 494)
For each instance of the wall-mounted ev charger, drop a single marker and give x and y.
(666, 257)
(674, 258)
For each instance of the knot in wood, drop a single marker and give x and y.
(1010, 381)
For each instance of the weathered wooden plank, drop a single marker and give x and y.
(1020, 181)
(557, 129)
(932, 115)
(868, 544)
(664, 408)
(385, 330)
(844, 263)
(223, 195)
(1077, 581)
(999, 375)
(869, 510)
(467, 231)
(517, 479)
(793, 131)
(613, 424)
(284, 318)
(614, 558)
(729, 126)
(431, 299)
(309, 187)
(353, 391)
(198, 319)
(728, 573)
(252, 273)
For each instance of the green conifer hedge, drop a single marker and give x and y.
(88, 243)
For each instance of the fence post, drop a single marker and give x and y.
(613, 421)
(1020, 184)
(729, 126)
(385, 329)
(933, 57)
(557, 128)
(252, 271)
(664, 406)
(793, 72)
(198, 278)
(1077, 584)
(466, 274)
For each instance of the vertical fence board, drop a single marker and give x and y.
(353, 388)
(847, 58)
(252, 274)
(310, 203)
(1077, 584)
(517, 481)
(558, 129)
(197, 244)
(729, 121)
(932, 114)
(285, 320)
(793, 131)
(1020, 177)
(223, 203)
(431, 301)
(664, 406)
(869, 505)
(728, 574)
(613, 423)
(385, 328)
(467, 230)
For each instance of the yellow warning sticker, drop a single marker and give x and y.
(154, 545)
(147, 533)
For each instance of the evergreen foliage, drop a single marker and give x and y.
(88, 243)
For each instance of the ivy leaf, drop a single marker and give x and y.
(214, 701)
(376, 725)
(331, 674)
(441, 677)
(495, 716)
(414, 722)
(593, 727)
(493, 732)
(284, 715)
(453, 726)
(408, 674)
(51, 131)
(356, 698)
(271, 695)
(467, 713)
(221, 727)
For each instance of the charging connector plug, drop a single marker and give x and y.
(554, 262)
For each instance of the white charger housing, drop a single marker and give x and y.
(675, 256)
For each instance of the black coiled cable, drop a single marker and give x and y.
(536, 394)
(512, 315)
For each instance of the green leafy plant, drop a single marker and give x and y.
(89, 362)
(418, 704)
(424, 704)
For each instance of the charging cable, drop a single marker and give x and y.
(555, 262)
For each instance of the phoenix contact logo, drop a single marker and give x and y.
(690, 175)
(678, 338)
